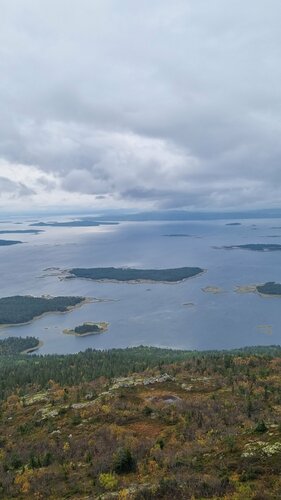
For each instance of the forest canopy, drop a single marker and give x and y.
(23, 308)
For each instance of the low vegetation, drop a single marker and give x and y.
(142, 423)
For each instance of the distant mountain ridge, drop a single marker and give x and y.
(187, 215)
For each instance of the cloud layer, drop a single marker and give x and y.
(141, 104)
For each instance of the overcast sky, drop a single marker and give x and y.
(140, 104)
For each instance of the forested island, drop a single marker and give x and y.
(6, 243)
(21, 231)
(20, 309)
(141, 423)
(129, 275)
(256, 247)
(178, 235)
(269, 288)
(87, 328)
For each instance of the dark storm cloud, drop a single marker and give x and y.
(163, 103)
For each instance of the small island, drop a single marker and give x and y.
(6, 243)
(255, 247)
(269, 288)
(87, 328)
(21, 231)
(21, 309)
(246, 289)
(178, 235)
(212, 289)
(129, 275)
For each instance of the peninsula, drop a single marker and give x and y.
(129, 275)
(18, 345)
(20, 309)
(87, 328)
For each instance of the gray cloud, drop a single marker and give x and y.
(14, 189)
(151, 103)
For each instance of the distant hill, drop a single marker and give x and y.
(173, 215)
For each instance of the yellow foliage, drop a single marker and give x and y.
(123, 495)
(105, 409)
(235, 477)
(23, 481)
(108, 481)
(244, 492)
(66, 446)
(116, 430)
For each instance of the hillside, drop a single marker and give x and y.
(185, 425)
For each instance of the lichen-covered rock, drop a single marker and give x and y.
(261, 448)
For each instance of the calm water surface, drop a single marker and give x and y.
(150, 314)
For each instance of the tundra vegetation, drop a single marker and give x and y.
(141, 423)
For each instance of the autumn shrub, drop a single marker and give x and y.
(108, 481)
